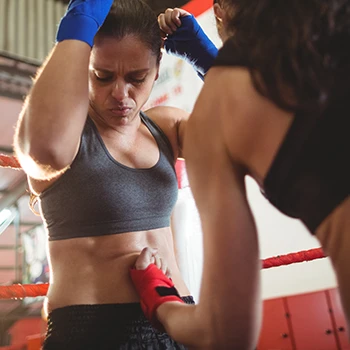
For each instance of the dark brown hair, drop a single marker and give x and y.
(296, 49)
(133, 17)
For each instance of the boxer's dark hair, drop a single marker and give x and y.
(295, 48)
(133, 17)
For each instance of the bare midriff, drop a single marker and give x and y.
(95, 270)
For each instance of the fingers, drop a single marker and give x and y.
(170, 20)
(167, 272)
(165, 23)
(160, 263)
(150, 256)
(146, 257)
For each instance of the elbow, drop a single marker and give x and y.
(41, 165)
(40, 160)
(50, 157)
(49, 160)
(39, 157)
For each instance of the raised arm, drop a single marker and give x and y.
(51, 122)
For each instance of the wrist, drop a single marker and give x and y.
(191, 43)
(77, 27)
(154, 289)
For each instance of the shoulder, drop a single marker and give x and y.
(251, 126)
(231, 81)
(228, 95)
(235, 88)
(172, 122)
(167, 114)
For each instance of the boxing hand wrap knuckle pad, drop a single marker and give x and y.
(82, 20)
(154, 289)
(191, 43)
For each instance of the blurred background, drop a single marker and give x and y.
(301, 304)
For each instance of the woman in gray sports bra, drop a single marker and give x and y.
(103, 173)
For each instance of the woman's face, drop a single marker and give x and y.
(121, 77)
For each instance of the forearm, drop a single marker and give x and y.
(231, 275)
(54, 114)
(229, 309)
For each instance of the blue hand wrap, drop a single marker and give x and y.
(83, 19)
(192, 44)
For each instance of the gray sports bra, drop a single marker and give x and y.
(99, 196)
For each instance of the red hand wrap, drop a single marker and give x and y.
(146, 283)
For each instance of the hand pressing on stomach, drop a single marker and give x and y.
(150, 256)
(151, 278)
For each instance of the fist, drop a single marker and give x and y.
(150, 256)
(170, 20)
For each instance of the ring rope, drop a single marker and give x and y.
(292, 258)
(7, 161)
(20, 291)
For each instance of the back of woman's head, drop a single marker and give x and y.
(298, 46)
(136, 18)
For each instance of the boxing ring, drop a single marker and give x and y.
(20, 291)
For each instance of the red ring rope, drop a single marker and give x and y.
(9, 162)
(20, 291)
(292, 258)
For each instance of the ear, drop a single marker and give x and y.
(158, 65)
(219, 12)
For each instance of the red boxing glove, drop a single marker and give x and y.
(154, 289)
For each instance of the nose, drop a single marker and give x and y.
(120, 90)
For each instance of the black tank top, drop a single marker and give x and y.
(309, 176)
(99, 196)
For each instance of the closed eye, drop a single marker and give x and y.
(101, 78)
(137, 81)
(137, 77)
